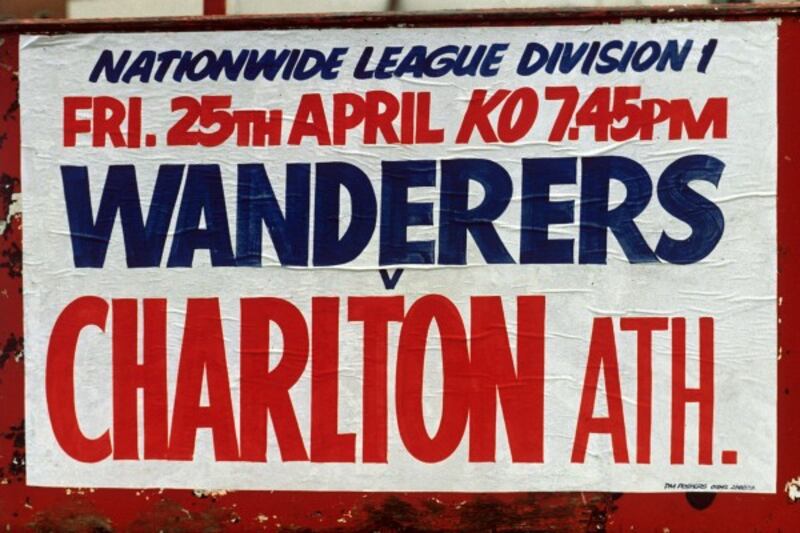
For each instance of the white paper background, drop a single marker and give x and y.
(735, 284)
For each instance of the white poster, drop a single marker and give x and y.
(402, 259)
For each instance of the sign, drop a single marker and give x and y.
(406, 259)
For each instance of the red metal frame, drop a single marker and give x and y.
(214, 7)
(47, 509)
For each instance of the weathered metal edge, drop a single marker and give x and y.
(491, 17)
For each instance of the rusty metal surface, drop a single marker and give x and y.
(42, 509)
(489, 17)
